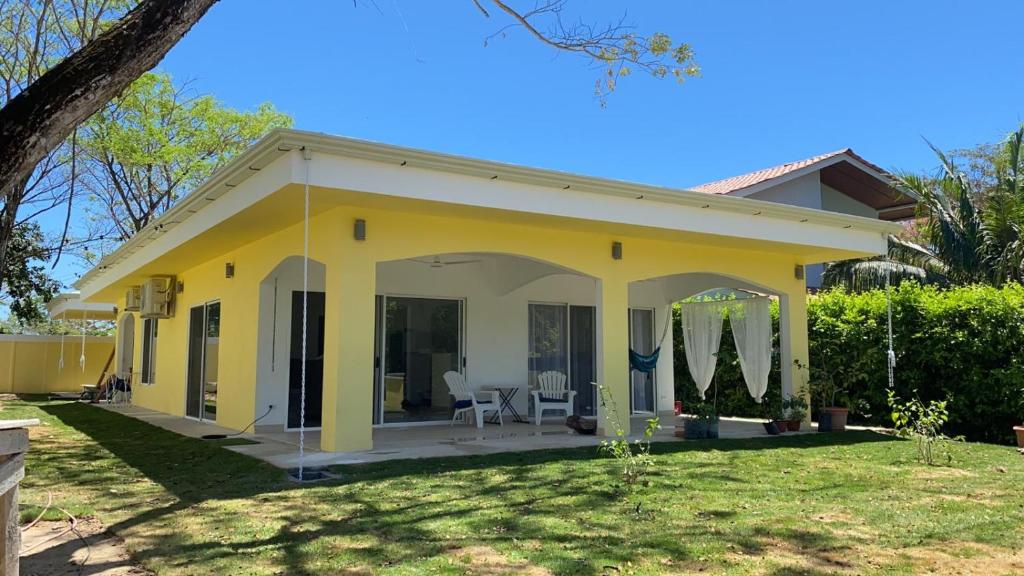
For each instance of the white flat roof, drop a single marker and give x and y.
(347, 163)
(70, 306)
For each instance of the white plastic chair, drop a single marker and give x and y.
(468, 400)
(552, 393)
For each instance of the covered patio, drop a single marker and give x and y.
(410, 442)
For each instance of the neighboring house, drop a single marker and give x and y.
(839, 181)
(421, 263)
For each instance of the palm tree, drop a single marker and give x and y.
(971, 235)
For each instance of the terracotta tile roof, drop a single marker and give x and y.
(737, 183)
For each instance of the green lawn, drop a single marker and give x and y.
(814, 504)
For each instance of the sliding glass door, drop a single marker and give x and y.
(641, 340)
(313, 361)
(419, 339)
(203, 355)
(561, 338)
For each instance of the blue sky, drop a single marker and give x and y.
(782, 80)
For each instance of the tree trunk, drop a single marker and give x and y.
(8, 220)
(39, 118)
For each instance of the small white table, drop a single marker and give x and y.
(507, 391)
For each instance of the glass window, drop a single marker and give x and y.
(549, 340)
(149, 334)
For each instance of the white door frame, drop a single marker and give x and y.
(202, 364)
(654, 374)
(382, 342)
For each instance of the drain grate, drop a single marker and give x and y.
(310, 474)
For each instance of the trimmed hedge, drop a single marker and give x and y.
(965, 344)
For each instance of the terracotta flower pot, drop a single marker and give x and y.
(1020, 435)
(839, 416)
(793, 425)
(781, 425)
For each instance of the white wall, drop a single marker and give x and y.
(274, 350)
(497, 295)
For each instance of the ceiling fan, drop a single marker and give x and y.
(438, 263)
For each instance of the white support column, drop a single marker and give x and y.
(665, 370)
(793, 345)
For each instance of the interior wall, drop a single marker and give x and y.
(274, 339)
(497, 322)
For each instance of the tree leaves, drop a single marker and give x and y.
(154, 144)
(971, 235)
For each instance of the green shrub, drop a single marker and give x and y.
(732, 396)
(963, 344)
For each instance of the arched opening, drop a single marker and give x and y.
(499, 319)
(279, 358)
(665, 292)
(125, 345)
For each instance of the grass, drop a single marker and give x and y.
(855, 503)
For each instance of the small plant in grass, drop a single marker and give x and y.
(923, 423)
(634, 458)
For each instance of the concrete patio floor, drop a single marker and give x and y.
(424, 441)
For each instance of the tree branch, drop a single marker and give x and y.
(39, 118)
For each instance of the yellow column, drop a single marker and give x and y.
(348, 349)
(613, 352)
(793, 339)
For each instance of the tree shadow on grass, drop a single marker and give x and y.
(388, 508)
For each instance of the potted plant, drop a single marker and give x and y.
(703, 423)
(780, 420)
(795, 408)
(830, 390)
(770, 426)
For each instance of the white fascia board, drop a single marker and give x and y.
(70, 303)
(190, 219)
(246, 180)
(556, 182)
(753, 223)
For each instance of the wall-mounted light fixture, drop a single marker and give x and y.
(616, 250)
(179, 286)
(229, 270)
(798, 272)
(359, 229)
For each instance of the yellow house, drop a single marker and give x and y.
(421, 263)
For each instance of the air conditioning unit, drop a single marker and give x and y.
(133, 299)
(158, 297)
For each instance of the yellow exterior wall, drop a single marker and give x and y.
(31, 364)
(393, 235)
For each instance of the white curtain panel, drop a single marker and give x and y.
(752, 330)
(702, 333)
